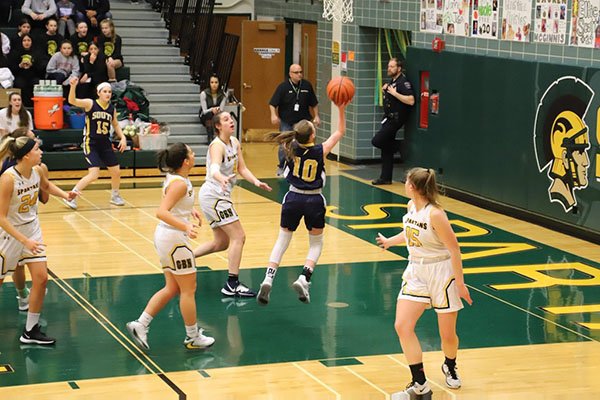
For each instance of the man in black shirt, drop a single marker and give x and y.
(398, 97)
(293, 101)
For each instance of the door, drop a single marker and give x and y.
(263, 64)
(234, 26)
(308, 58)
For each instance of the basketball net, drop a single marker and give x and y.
(339, 10)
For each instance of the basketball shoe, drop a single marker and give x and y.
(139, 333)
(117, 200)
(36, 336)
(264, 294)
(301, 286)
(452, 379)
(414, 391)
(237, 289)
(199, 341)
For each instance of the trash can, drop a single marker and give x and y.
(48, 112)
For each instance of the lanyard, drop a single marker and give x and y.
(296, 90)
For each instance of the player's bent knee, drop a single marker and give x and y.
(283, 241)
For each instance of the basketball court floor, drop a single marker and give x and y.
(531, 333)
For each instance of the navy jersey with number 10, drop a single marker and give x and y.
(307, 170)
(98, 122)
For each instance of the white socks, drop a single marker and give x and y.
(32, 320)
(191, 331)
(145, 319)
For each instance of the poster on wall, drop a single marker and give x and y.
(585, 25)
(456, 17)
(516, 20)
(550, 21)
(485, 19)
(431, 15)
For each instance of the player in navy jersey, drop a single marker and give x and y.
(100, 115)
(305, 172)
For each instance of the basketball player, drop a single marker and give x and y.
(305, 172)
(100, 115)
(224, 160)
(20, 232)
(433, 278)
(172, 243)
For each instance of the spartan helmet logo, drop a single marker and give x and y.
(562, 140)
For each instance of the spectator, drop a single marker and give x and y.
(26, 66)
(92, 11)
(63, 65)
(50, 41)
(15, 116)
(93, 72)
(81, 40)
(110, 43)
(293, 101)
(39, 11)
(5, 43)
(24, 28)
(66, 11)
(398, 97)
(212, 101)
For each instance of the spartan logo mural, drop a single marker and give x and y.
(561, 138)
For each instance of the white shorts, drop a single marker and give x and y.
(433, 284)
(13, 253)
(217, 209)
(174, 251)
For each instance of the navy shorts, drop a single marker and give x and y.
(99, 156)
(297, 205)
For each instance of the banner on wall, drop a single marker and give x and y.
(516, 20)
(585, 25)
(485, 19)
(456, 17)
(550, 21)
(431, 15)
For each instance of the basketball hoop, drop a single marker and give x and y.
(339, 10)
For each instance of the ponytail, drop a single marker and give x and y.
(171, 158)
(10, 147)
(301, 133)
(423, 179)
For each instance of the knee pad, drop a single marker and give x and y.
(281, 245)
(315, 246)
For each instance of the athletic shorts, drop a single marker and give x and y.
(100, 156)
(217, 209)
(174, 250)
(432, 284)
(298, 205)
(13, 253)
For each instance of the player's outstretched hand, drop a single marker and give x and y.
(226, 181)
(263, 185)
(73, 194)
(73, 81)
(382, 241)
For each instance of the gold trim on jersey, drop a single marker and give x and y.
(3, 259)
(102, 107)
(173, 250)
(42, 257)
(217, 211)
(407, 293)
(447, 305)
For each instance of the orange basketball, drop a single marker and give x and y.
(340, 90)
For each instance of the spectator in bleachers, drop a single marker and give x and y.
(50, 40)
(92, 11)
(24, 28)
(26, 66)
(15, 116)
(66, 13)
(63, 65)
(212, 102)
(81, 40)
(110, 43)
(39, 11)
(5, 43)
(93, 72)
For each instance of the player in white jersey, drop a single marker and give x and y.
(172, 243)
(433, 278)
(224, 160)
(20, 232)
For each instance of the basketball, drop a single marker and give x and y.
(340, 90)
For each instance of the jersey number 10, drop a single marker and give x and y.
(307, 170)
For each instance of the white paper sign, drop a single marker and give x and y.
(485, 19)
(550, 21)
(456, 17)
(516, 20)
(431, 15)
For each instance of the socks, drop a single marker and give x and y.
(191, 331)
(450, 362)
(32, 320)
(145, 319)
(307, 272)
(270, 274)
(233, 278)
(418, 373)
(23, 293)
(114, 192)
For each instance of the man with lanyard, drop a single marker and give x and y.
(293, 101)
(398, 96)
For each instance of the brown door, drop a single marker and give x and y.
(263, 63)
(308, 58)
(234, 26)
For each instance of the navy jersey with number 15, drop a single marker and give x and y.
(307, 170)
(97, 124)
